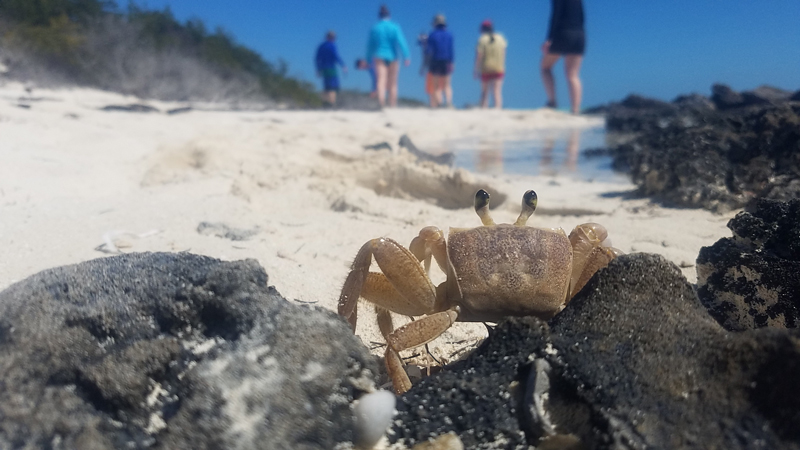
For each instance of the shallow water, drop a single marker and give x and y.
(546, 153)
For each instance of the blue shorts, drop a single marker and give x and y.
(330, 83)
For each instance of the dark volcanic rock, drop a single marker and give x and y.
(751, 280)
(766, 94)
(477, 398)
(695, 101)
(172, 351)
(636, 114)
(635, 362)
(724, 97)
(690, 154)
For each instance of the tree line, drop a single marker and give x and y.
(138, 51)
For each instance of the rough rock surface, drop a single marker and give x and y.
(752, 279)
(477, 398)
(635, 362)
(172, 351)
(717, 153)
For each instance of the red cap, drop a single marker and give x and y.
(486, 23)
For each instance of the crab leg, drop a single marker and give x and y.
(430, 242)
(402, 287)
(413, 335)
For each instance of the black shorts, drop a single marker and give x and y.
(568, 42)
(439, 68)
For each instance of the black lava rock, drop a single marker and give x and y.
(751, 280)
(172, 351)
(719, 156)
(635, 361)
(478, 398)
(725, 98)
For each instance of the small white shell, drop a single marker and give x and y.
(373, 414)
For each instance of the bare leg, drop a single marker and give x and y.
(498, 93)
(436, 98)
(431, 90)
(548, 61)
(381, 75)
(391, 81)
(484, 94)
(448, 89)
(572, 66)
(332, 97)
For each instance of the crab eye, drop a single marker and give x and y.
(482, 207)
(530, 199)
(481, 199)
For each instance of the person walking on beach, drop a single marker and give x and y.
(326, 60)
(439, 54)
(490, 64)
(565, 37)
(424, 70)
(386, 39)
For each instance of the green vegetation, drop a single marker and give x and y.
(143, 52)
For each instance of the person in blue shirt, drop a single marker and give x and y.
(439, 54)
(386, 44)
(326, 61)
(422, 41)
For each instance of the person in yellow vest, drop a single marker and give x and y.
(490, 64)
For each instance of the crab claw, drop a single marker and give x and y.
(590, 253)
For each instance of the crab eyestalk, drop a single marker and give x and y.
(482, 207)
(529, 201)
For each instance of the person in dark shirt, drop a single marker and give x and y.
(326, 60)
(439, 54)
(565, 37)
(422, 41)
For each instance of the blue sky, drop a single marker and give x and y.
(657, 48)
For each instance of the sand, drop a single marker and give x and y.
(78, 183)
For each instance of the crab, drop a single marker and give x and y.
(493, 271)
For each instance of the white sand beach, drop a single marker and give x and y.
(73, 176)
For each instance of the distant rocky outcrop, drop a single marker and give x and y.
(634, 361)
(172, 351)
(751, 280)
(716, 153)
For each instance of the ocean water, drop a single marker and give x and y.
(545, 153)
